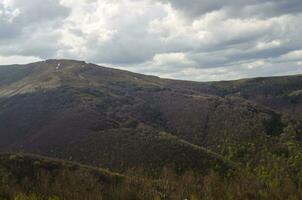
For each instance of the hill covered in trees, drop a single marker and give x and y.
(240, 137)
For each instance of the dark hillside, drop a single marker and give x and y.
(20, 173)
(283, 94)
(113, 118)
(172, 139)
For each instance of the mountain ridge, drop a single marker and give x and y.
(107, 117)
(166, 139)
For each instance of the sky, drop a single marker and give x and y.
(200, 40)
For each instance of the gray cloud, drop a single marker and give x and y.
(36, 11)
(247, 8)
(29, 28)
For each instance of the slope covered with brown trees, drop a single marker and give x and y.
(117, 119)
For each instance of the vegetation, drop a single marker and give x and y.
(34, 178)
(167, 139)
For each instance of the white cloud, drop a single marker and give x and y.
(293, 55)
(268, 45)
(170, 59)
(9, 60)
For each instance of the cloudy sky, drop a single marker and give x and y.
(185, 39)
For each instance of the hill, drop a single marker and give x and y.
(279, 93)
(31, 177)
(170, 139)
(115, 119)
(31, 174)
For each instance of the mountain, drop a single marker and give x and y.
(118, 120)
(240, 138)
(283, 94)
